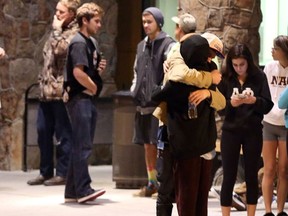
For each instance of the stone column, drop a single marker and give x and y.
(234, 21)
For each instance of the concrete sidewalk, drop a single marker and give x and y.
(19, 199)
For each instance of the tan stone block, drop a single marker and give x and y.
(16, 145)
(24, 29)
(248, 5)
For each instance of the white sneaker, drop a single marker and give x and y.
(215, 192)
(237, 202)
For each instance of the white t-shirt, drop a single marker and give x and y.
(277, 77)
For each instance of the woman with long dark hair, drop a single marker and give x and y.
(248, 98)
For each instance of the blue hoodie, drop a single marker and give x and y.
(283, 104)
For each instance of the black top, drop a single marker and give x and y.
(82, 51)
(246, 116)
(149, 67)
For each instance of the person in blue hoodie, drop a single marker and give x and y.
(283, 104)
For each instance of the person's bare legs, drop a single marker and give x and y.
(150, 159)
(282, 176)
(269, 159)
(150, 162)
(251, 210)
(226, 210)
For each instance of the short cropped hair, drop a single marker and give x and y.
(88, 10)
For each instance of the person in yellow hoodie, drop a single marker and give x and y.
(179, 71)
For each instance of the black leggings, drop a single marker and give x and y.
(231, 142)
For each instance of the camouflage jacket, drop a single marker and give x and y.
(55, 50)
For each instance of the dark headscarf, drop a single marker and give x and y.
(195, 52)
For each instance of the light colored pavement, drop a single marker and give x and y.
(19, 199)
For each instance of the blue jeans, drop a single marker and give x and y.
(83, 116)
(53, 120)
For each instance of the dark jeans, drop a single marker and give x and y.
(166, 195)
(165, 159)
(53, 120)
(192, 185)
(83, 115)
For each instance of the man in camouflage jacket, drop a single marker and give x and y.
(52, 117)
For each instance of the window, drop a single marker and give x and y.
(274, 23)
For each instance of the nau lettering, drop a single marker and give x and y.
(279, 80)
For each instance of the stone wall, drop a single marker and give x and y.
(234, 21)
(25, 25)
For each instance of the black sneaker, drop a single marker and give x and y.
(237, 203)
(269, 214)
(282, 214)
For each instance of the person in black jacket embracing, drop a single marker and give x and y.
(189, 136)
(248, 98)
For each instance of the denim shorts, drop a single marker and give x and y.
(273, 132)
